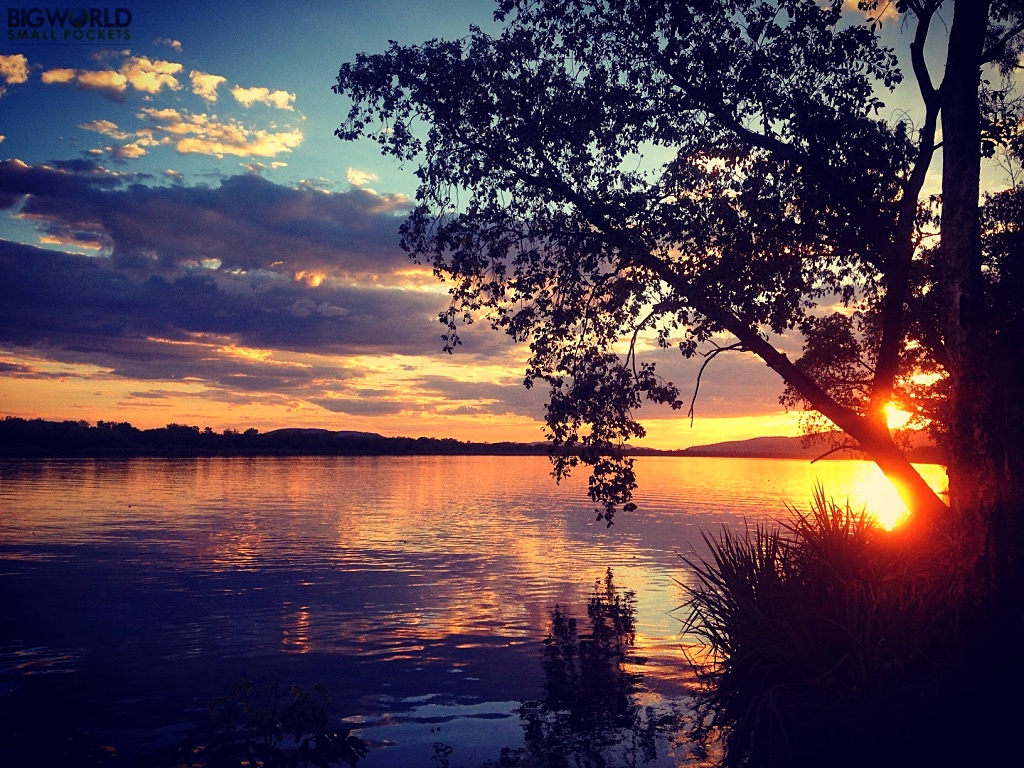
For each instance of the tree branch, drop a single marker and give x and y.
(837, 449)
(708, 357)
(998, 48)
(897, 268)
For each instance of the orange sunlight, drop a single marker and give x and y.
(896, 417)
(867, 488)
(883, 501)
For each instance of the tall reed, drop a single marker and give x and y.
(828, 640)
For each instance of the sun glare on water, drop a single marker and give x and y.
(882, 500)
(865, 487)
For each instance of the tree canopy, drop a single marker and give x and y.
(708, 174)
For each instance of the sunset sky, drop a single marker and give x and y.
(183, 239)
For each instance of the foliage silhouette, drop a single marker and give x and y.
(831, 642)
(602, 175)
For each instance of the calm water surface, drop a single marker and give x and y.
(419, 590)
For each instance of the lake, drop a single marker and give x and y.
(442, 601)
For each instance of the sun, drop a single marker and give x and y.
(896, 417)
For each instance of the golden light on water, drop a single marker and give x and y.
(865, 487)
(883, 501)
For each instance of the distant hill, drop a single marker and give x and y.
(922, 451)
(316, 432)
(761, 448)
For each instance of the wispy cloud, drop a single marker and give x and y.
(359, 178)
(174, 44)
(139, 72)
(258, 168)
(203, 134)
(120, 153)
(107, 128)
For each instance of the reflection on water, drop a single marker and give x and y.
(591, 713)
(595, 707)
(416, 588)
(272, 727)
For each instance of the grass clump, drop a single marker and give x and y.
(827, 640)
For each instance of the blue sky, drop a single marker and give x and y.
(183, 239)
(290, 49)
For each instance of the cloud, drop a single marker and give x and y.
(258, 168)
(361, 178)
(360, 406)
(61, 76)
(125, 152)
(151, 76)
(224, 286)
(202, 134)
(13, 71)
(887, 11)
(248, 223)
(232, 338)
(111, 84)
(246, 292)
(105, 127)
(175, 44)
(84, 309)
(122, 152)
(16, 369)
(499, 398)
(249, 96)
(139, 72)
(205, 85)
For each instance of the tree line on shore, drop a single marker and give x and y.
(37, 438)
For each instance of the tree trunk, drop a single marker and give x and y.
(980, 476)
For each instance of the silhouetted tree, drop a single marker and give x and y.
(712, 173)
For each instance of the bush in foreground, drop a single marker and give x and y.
(829, 641)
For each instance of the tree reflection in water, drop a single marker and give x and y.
(589, 715)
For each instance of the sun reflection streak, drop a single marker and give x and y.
(296, 631)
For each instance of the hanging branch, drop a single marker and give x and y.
(836, 449)
(708, 357)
